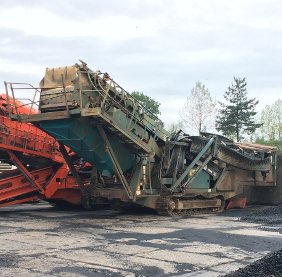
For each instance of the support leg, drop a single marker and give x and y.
(24, 171)
(75, 175)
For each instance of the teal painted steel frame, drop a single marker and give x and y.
(187, 170)
(197, 172)
(115, 162)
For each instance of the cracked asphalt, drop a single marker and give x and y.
(40, 240)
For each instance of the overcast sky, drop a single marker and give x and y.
(161, 48)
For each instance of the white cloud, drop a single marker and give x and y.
(45, 23)
(159, 47)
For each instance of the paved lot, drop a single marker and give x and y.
(39, 240)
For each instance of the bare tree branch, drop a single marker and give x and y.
(199, 111)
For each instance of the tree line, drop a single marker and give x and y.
(236, 118)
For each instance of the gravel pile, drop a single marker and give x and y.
(269, 266)
(272, 215)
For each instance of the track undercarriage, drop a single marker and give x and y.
(172, 206)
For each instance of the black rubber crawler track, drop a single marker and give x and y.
(162, 207)
(231, 156)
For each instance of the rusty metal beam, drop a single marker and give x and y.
(24, 171)
(19, 201)
(8, 102)
(65, 94)
(115, 162)
(73, 170)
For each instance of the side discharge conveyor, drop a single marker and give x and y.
(136, 162)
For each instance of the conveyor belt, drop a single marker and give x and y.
(231, 156)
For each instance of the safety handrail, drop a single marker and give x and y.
(136, 113)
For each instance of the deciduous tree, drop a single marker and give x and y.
(199, 110)
(174, 127)
(151, 105)
(271, 118)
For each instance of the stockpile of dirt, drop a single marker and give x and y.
(272, 215)
(271, 264)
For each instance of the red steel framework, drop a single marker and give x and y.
(20, 141)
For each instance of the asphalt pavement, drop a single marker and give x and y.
(40, 240)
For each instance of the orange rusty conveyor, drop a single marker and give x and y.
(41, 169)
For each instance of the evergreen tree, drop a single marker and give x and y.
(237, 118)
